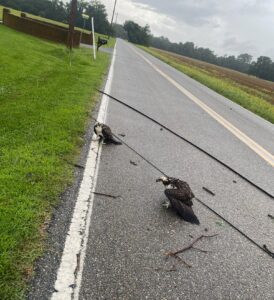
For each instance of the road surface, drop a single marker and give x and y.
(129, 235)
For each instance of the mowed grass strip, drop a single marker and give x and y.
(243, 95)
(44, 108)
(111, 41)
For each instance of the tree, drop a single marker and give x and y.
(136, 33)
(263, 68)
(119, 31)
(98, 11)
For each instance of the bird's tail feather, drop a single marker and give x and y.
(112, 141)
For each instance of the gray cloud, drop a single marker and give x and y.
(195, 13)
(233, 44)
(227, 27)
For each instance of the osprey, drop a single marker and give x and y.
(180, 197)
(104, 133)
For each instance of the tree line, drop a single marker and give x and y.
(263, 67)
(57, 10)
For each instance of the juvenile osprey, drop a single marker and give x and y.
(104, 133)
(179, 195)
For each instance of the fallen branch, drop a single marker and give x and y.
(175, 254)
(78, 166)
(208, 191)
(107, 195)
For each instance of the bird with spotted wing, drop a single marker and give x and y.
(180, 198)
(105, 134)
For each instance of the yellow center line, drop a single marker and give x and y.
(263, 153)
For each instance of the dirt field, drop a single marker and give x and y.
(260, 87)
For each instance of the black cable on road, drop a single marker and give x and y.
(140, 155)
(263, 248)
(191, 143)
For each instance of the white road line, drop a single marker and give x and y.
(69, 275)
(263, 153)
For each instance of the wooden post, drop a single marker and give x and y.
(6, 11)
(72, 19)
(114, 7)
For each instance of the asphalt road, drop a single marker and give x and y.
(129, 235)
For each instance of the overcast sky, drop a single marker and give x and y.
(225, 26)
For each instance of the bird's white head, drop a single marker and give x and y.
(97, 127)
(163, 179)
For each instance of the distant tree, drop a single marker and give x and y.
(263, 68)
(244, 58)
(98, 11)
(136, 33)
(205, 54)
(119, 31)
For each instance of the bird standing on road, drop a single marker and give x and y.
(105, 134)
(180, 197)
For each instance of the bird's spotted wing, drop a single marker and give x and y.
(183, 186)
(181, 195)
(181, 208)
(107, 132)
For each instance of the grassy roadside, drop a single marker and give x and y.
(111, 41)
(242, 95)
(44, 108)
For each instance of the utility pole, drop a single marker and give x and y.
(114, 7)
(72, 19)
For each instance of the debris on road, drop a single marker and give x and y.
(188, 247)
(106, 195)
(270, 216)
(133, 163)
(208, 191)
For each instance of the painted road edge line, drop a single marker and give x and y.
(263, 153)
(69, 275)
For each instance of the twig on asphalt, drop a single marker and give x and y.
(270, 216)
(107, 195)
(190, 246)
(208, 191)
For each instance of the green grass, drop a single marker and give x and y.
(110, 43)
(44, 108)
(241, 95)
